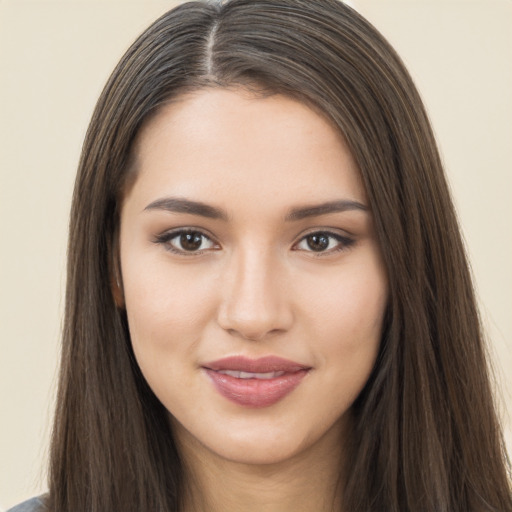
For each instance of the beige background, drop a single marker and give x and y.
(54, 58)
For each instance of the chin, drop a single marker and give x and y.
(262, 442)
(263, 452)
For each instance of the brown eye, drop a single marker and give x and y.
(317, 242)
(324, 242)
(191, 241)
(185, 241)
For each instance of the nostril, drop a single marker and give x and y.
(252, 305)
(254, 335)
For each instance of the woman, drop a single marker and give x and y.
(268, 303)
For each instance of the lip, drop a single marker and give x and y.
(255, 392)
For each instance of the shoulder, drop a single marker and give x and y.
(33, 505)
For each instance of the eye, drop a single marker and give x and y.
(185, 241)
(324, 242)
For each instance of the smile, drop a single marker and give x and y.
(255, 382)
(251, 375)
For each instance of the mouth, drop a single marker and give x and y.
(251, 375)
(255, 382)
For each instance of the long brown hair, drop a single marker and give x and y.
(426, 436)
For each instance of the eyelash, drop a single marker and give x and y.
(343, 242)
(166, 238)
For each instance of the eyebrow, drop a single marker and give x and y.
(323, 209)
(181, 205)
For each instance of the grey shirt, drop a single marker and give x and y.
(33, 505)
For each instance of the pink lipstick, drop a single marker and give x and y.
(255, 382)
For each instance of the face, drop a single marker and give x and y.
(252, 280)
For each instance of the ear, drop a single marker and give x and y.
(116, 288)
(116, 283)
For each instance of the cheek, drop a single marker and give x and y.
(166, 310)
(346, 322)
(351, 305)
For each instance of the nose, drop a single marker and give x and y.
(254, 302)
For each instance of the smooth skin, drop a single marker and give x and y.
(255, 270)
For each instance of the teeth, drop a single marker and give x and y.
(250, 375)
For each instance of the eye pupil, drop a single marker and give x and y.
(191, 241)
(318, 242)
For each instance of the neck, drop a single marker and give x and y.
(307, 482)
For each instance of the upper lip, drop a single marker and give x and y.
(262, 365)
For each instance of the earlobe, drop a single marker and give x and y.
(117, 289)
(116, 282)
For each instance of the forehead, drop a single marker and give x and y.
(215, 143)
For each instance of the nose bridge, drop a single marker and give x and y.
(253, 303)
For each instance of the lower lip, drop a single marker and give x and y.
(255, 392)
